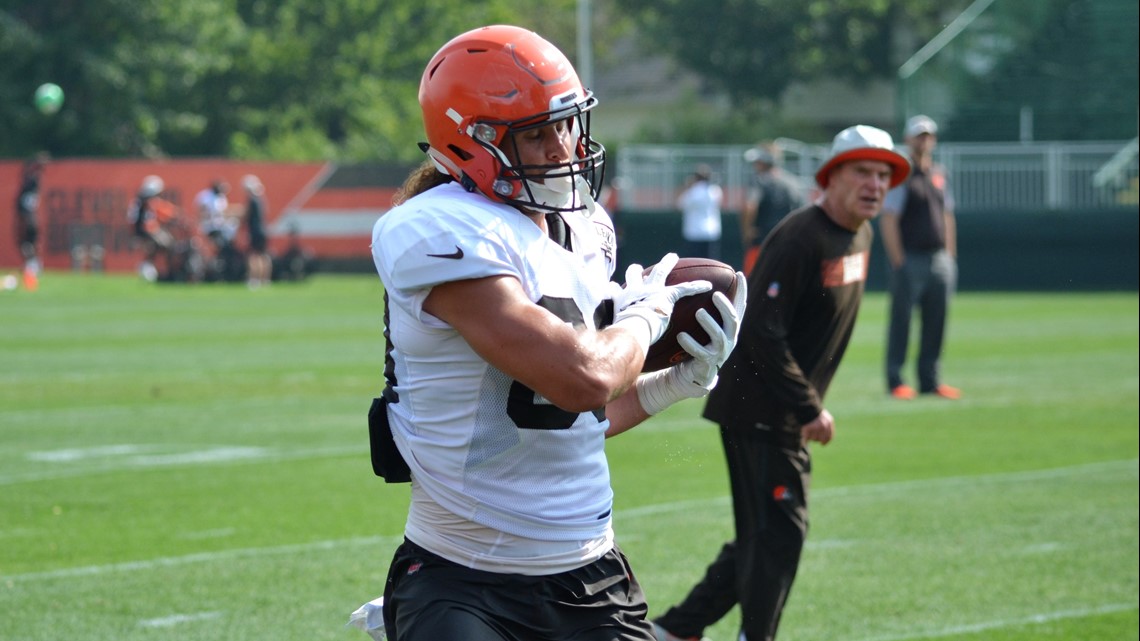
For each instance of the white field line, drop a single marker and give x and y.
(897, 487)
(202, 456)
(982, 626)
(637, 512)
(216, 533)
(178, 619)
(902, 487)
(204, 557)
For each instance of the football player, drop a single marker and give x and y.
(511, 357)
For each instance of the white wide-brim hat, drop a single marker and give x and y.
(863, 142)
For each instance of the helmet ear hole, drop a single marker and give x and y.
(463, 154)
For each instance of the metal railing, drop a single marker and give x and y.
(984, 176)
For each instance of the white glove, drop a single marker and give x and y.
(694, 378)
(645, 304)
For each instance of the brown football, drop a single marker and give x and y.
(667, 352)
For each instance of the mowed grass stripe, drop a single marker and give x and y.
(1116, 470)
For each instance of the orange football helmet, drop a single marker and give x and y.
(485, 86)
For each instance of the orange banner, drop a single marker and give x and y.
(85, 202)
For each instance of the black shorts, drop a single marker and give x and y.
(428, 598)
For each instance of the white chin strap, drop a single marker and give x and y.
(563, 192)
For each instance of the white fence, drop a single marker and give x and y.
(984, 176)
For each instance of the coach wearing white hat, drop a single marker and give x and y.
(804, 294)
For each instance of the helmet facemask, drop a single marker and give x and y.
(557, 187)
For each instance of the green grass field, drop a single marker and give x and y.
(191, 463)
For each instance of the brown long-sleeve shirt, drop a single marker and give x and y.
(804, 295)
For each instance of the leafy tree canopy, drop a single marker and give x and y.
(280, 79)
(315, 80)
(753, 49)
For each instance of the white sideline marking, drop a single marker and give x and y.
(216, 533)
(81, 453)
(896, 487)
(175, 619)
(970, 481)
(204, 557)
(1004, 623)
(1041, 548)
(136, 455)
(672, 506)
(213, 455)
(218, 455)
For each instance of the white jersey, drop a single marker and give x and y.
(212, 208)
(700, 211)
(480, 446)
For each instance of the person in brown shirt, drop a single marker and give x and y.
(804, 296)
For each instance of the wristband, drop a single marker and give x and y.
(660, 389)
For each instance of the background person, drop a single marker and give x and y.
(772, 196)
(27, 219)
(259, 264)
(297, 262)
(213, 206)
(700, 204)
(919, 236)
(498, 418)
(149, 214)
(806, 289)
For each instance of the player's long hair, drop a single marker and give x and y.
(420, 180)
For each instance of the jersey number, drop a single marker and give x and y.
(523, 405)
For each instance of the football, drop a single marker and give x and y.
(667, 352)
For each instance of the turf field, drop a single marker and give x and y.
(191, 463)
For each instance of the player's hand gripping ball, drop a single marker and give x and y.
(667, 352)
(49, 98)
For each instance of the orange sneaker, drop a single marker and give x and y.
(903, 392)
(31, 281)
(948, 392)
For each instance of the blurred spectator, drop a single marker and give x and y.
(919, 236)
(700, 214)
(611, 198)
(149, 215)
(27, 221)
(297, 263)
(772, 196)
(260, 265)
(213, 205)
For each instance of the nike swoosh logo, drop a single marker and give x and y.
(456, 255)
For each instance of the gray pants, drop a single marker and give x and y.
(925, 280)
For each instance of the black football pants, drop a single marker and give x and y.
(769, 493)
(428, 598)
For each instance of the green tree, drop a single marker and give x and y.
(753, 49)
(1074, 68)
(286, 80)
(132, 73)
